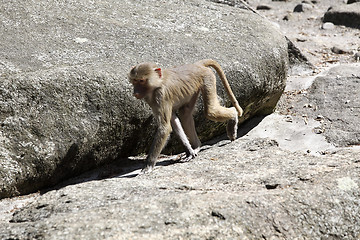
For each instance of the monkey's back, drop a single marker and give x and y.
(183, 82)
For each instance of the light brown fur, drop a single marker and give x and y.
(176, 90)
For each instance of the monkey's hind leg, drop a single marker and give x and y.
(232, 127)
(187, 122)
(223, 114)
(215, 112)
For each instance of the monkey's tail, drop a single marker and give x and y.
(217, 67)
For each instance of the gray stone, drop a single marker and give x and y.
(357, 56)
(299, 8)
(347, 15)
(263, 7)
(328, 26)
(226, 193)
(298, 63)
(252, 188)
(335, 96)
(288, 17)
(352, 1)
(65, 103)
(302, 7)
(338, 50)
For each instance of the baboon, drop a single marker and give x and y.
(176, 90)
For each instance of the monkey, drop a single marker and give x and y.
(175, 90)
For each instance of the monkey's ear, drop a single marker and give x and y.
(158, 71)
(132, 71)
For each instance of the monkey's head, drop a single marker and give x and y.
(145, 78)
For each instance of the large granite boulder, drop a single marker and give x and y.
(65, 103)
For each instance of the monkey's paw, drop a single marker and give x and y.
(147, 169)
(189, 156)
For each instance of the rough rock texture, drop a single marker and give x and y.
(310, 34)
(303, 7)
(65, 103)
(56, 123)
(337, 98)
(280, 180)
(333, 100)
(298, 63)
(352, 1)
(347, 15)
(258, 191)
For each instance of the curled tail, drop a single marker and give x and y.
(220, 72)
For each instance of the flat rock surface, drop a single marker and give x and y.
(247, 189)
(333, 100)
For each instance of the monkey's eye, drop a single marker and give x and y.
(142, 81)
(139, 81)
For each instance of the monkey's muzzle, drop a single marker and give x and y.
(139, 92)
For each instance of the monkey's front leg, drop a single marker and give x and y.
(178, 129)
(161, 136)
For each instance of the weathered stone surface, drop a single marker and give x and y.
(57, 123)
(333, 100)
(252, 193)
(347, 15)
(298, 63)
(302, 7)
(352, 1)
(65, 103)
(279, 180)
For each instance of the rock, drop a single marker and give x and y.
(288, 17)
(264, 194)
(259, 144)
(263, 7)
(298, 63)
(357, 56)
(301, 40)
(299, 8)
(303, 7)
(352, 1)
(338, 50)
(334, 96)
(234, 3)
(347, 15)
(294, 133)
(328, 26)
(319, 118)
(65, 102)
